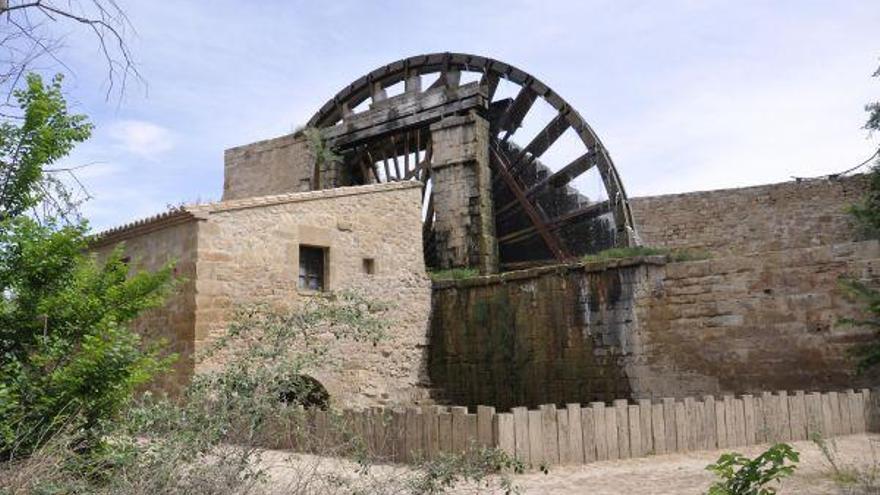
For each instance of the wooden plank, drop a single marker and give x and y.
(682, 429)
(814, 424)
(771, 417)
(645, 426)
(783, 415)
(398, 432)
(511, 119)
(693, 425)
(845, 413)
(730, 418)
(827, 416)
(385, 120)
(521, 433)
(622, 413)
(711, 429)
(588, 435)
(611, 439)
(669, 423)
(563, 435)
(749, 419)
(472, 433)
(504, 433)
(459, 429)
(380, 436)
(551, 434)
(432, 432)
(798, 415)
(857, 409)
(414, 449)
(658, 429)
(739, 421)
(869, 400)
(539, 144)
(635, 431)
(484, 425)
(576, 432)
(600, 433)
(536, 439)
(835, 413)
(766, 419)
(501, 168)
(721, 425)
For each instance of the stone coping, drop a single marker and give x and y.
(592, 266)
(267, 144)
(201, 211)
(771, 186)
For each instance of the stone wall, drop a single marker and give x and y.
(249, 252)
(646, 329)
(275, 166)
(738, 324)
(150, 246)
(545, 335)
(752, 219)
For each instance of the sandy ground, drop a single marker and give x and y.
(686, 473)
(666, 474)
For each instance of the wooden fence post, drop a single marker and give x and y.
(622, 414)
(600, 432)
(521, 433)
(484, 425)
(575, 433)
(551, 434)
(536, 438)
(669, 424)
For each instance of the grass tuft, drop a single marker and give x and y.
(454, 274)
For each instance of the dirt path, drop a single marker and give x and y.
(656, 475)
(686, 474)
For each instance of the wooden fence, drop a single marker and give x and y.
(578, 434)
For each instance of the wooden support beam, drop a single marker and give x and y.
(378, 92)
(404, 111)
(531, 211)
(513, 117)
(490, 82)
(591, 210)
(541, 142)
(413, 83)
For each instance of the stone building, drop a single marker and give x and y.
(280, 249)
(429, 174)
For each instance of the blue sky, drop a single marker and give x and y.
(686, 95)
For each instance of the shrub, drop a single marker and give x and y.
(743, 476)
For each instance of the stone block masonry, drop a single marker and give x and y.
(462, 183)
(247, 251)
(770, 217)
(275, 166)
(646, 329)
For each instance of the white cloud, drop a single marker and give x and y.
(142, 138)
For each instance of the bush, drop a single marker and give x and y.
(207, 441)
(743, 476)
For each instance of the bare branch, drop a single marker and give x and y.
(27, 40)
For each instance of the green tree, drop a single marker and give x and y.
(867, 211)
(67, 357)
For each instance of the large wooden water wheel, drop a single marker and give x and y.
(538, 215)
